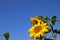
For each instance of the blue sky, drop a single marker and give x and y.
(15, 15)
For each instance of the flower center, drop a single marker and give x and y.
(37, 29)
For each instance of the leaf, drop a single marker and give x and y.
(39, 17)
(53, 20)
(48, 39)
(6, 35)
(56, 31)
(43, 18)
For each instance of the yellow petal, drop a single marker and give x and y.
(32, 35)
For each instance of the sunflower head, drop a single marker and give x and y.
(39, 28)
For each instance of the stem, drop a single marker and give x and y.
(54, 37)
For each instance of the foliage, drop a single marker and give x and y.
(51, 22)
(6, 35)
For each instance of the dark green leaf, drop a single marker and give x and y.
(6, 35)
(48, 39)
(53, 20)
(57, 31)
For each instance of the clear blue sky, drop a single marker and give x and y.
(15, 15)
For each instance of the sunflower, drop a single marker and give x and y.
(38, 29)
(34, 20)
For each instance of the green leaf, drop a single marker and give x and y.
(53, 20)
(6, 35)
(43, 18)
(39, 17)
(57, 31)
(48, 39)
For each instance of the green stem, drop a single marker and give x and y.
(54, 37)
